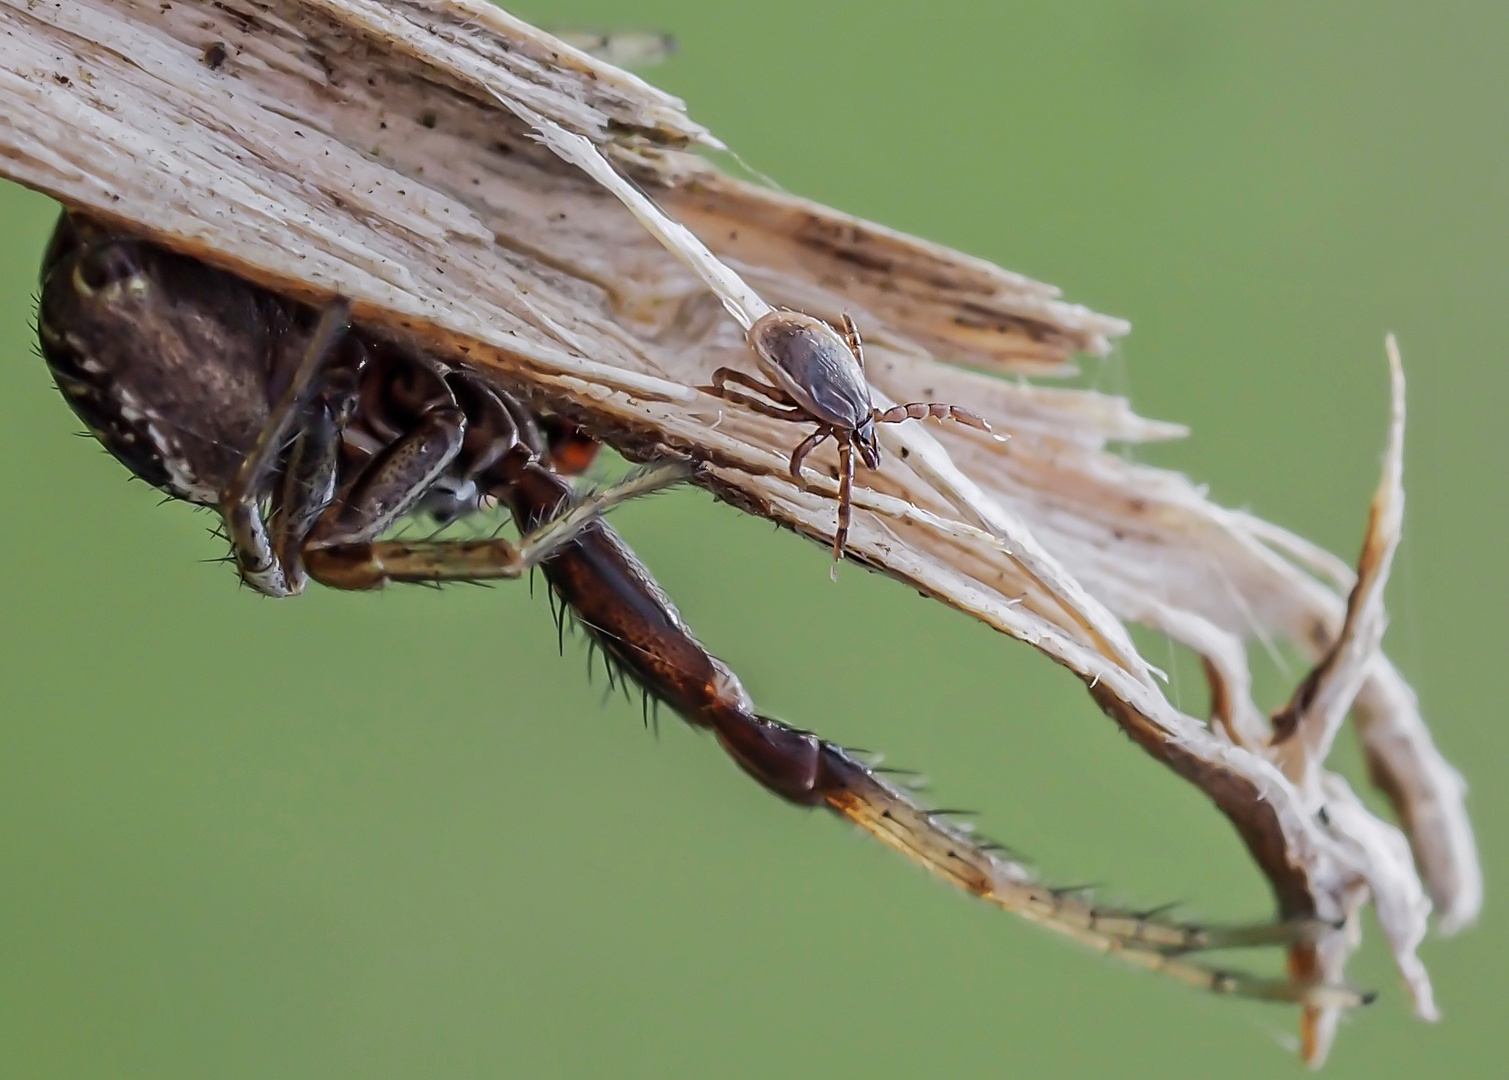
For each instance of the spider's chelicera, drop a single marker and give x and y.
(312, 438)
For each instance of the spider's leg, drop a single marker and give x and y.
(634, 623)
(372, 564)
(308, 486)
(240, 501)
(394, 479)
(854, 791)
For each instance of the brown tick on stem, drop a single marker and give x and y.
(818, 376)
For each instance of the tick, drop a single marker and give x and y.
(818, 376)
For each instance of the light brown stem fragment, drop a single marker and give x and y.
(375, 150)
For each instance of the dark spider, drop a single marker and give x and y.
(311, 439)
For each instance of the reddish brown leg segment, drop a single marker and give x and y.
(784, 409)
(805, 447)
(919, 410)
(845, 500)
(856, 346)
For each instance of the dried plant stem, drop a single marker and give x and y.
(391, 152)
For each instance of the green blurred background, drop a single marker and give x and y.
(398, 836)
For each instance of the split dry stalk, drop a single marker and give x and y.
(404, 153)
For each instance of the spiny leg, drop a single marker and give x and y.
(805, 769)
(239, 503)
(373, 564)
(616, 602)
(576, 513)
(855, 792)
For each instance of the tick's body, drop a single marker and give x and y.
(311, 440)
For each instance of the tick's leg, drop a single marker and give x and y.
(725, 375)
(845, 500)
(256, 557)
(784, 409)
(918, 410)
(805, 447)
(635, 625)
(373, 564)
(856, 346)
(764, 409)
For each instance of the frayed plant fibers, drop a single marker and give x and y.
(464, 178)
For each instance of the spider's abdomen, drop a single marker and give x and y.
(165, 359)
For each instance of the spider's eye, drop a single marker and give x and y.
(103, 267)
